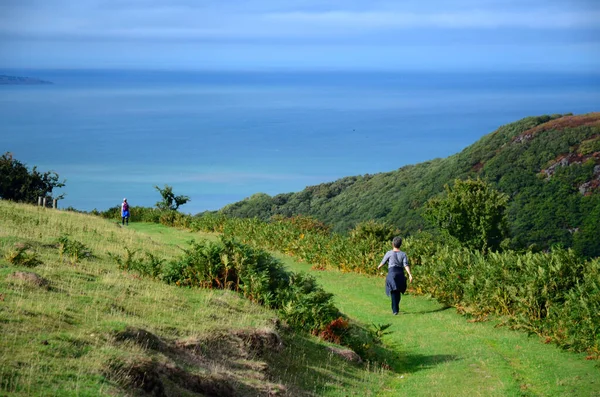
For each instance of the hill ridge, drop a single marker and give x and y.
(512, 159)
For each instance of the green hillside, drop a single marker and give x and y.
(548, 165)
(76, 322)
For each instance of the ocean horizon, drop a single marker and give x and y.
(219, 137)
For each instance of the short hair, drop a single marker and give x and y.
(397, 242)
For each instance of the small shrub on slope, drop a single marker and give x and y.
(22, 255)
(253, 272)
(72, 249)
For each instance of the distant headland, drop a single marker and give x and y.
(4, 80)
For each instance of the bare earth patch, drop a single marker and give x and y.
(30, 278)
(223, 364)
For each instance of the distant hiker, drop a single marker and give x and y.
(395, 282)
(125, 212)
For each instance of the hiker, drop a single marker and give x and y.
(125, 212)
(395, 282)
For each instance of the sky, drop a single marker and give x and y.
(545, 35)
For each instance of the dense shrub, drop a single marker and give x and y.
(303, 224)
(472, 212)
(305, 305)
(253, 272)
(577, 320)
(372, 230)
(554, 293)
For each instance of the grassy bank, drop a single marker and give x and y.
(81, 327)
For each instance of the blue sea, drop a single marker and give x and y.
(219, 137)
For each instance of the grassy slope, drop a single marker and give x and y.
(72, 339)
(439, 353)
(62, 341)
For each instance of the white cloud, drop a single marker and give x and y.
(477, 19)
(209, 20)
(291, 34)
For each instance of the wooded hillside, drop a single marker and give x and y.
(548, 165)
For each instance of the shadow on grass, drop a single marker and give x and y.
(308, 368)
(400, 362)
(441, 309)
(409, 363)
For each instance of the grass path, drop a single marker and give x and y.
(438, 352)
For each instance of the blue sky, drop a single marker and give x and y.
(546, 35)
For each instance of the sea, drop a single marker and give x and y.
(219, 137)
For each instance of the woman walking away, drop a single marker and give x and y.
(125, 212)
(395, 282)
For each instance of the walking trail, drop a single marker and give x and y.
(437, 352)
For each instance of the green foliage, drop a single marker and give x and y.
(545, 208)
(472, 212)
(72, 249)
(590, 146)
(577, 318)
(129, 262)
(373, 230)
(253, 272)
(530, 289)
(151, 266)
(303, 223)
(22, 255)
(305, 305)
(170, 202)
(585, 240)
(17, 183)
(62, 341)
(380, 330)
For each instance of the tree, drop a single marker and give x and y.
(17, 183)
(170, 202)
(472, 212)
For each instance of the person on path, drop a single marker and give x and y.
(395, 282)
(125, 212)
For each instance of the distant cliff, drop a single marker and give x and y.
(21, 80)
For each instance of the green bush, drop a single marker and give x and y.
(72, 249)
(372, 230)
(253, 272)
(22, 255)
(576, 321)
(305, 305)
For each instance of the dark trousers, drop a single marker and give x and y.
(396, 296)
(126, 220)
